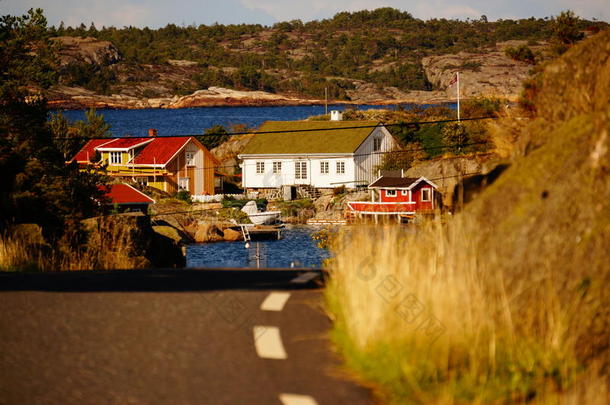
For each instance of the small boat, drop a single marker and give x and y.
(260, 217)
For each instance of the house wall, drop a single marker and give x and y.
(416, 196)
(367, 160)
(268, 179)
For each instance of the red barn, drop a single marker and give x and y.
(399, 196)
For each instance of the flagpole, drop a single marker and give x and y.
(458, 96)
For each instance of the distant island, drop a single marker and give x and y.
(379, 56)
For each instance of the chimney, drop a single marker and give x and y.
(152, 132)
(336, 115)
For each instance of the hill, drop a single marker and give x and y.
(365, 56)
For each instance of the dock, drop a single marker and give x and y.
(261, 231)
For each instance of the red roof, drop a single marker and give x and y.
(160, 150)
(124, 143)
(125, 194)
(87, 152)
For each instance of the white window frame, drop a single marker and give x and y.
(112, 158)
(340, 167)
(324, 167)
(260, 167)
(390, 193)
(189, 158)
(182, 181)
(377, 142)
(404, 192)
(427, 191)
(300, 170)
(277, 167)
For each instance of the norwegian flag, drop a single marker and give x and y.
(454, 80)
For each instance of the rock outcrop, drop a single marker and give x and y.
(88, 50)
(489, 74)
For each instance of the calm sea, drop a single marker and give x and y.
(295, 249)
(192, 121)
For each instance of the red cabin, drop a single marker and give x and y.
(400, 196)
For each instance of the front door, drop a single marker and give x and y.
(301, 172)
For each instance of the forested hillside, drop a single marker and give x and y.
(383, 47)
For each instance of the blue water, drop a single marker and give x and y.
(295, 249)
(192, 121)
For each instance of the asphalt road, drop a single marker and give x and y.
(163, 337)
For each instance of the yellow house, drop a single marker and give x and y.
(166, 163)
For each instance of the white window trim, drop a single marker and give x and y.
(340, 164)
(189, 162)
(300, 170)
(261, 165)
(375, 141)
(429, 194)
(181, 180)
(324, 167)
(404, 192)
(111, 160)
(390, 193)
(277, 167)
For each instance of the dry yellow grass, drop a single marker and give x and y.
(111, 247)
(431, 319)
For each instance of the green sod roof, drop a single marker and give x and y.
(319, 137)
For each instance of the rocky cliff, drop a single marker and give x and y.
(487, 73)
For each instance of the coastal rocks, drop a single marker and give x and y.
(231, 235)
(210, 232)
(447, 172)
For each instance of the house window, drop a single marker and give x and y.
(260, 167)
(277, 167)
(324, 167)
(404, 192)
(425, 194)
(300, 170)
(115, 158)
(183, 183)
(377, 144)
(190, 158)
(143, 181)
(390, 193)
(340, 167)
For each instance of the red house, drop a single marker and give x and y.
(399, 196)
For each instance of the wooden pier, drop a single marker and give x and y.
(250, 231)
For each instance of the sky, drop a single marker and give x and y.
(158, 13)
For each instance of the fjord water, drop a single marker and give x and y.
(295, 249)
(193, 121)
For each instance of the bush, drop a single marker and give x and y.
(183, 195)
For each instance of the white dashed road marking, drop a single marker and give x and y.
(275, 301)
(268, 342)
(304, 278)
(293, 399)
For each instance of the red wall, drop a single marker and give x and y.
(416, 196)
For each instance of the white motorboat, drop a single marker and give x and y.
(260, 217)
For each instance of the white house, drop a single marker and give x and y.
(323, 154)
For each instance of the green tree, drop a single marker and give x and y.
(566, 28)
(69, 139)
(214, 136)
(36, 185)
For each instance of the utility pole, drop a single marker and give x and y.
(458, 96)
(326, 100)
